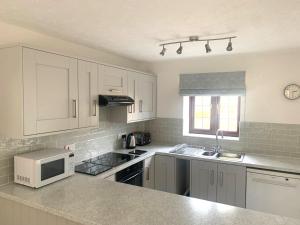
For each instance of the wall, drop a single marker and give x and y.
(258, 138)
(266, 76)
(11, 34)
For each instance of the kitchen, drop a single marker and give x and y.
(195, 127)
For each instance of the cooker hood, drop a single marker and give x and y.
(113, 100)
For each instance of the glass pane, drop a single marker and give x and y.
(229, 113)
(202, 112)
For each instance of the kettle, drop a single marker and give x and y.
(130, 141)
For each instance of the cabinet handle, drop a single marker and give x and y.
(148, 174)
(95, 107)
(221, 178)
(212, 177)
(115, 90)
(130, 109)
(74, 108)
(141, 105)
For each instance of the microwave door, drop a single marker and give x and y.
(52, 169)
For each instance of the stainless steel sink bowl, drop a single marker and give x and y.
(227, 156)
(209, 153)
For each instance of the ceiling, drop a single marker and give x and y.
(134, 28)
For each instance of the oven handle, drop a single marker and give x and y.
(131, 177)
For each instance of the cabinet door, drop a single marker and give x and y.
(88, 94)
(231, 185)
(148, 179)
(50, 92)
(147, 97)
(132, 111)
(112, 81)
(204, 180)
(164, 174)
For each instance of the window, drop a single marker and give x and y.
(207, 114)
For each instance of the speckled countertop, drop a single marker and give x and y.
(89, 201)
(93, 200)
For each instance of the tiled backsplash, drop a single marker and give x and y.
(263, 138)
(88, 143)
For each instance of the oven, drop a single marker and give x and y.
(132, 175)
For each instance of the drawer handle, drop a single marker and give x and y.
(115, 90)
(74, 108)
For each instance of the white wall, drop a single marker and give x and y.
(266, 76)
(11, 34)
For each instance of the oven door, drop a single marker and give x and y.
(131, 175)
(51, 170)
(135, 178)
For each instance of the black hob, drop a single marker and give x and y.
(103, 163)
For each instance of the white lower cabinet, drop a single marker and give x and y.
(231, 188)
(218, 182)
(148, 177)
(204, 180)
(164, 173)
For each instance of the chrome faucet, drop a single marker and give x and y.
(218, 147)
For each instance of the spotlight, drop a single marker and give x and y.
(179, 50)
(229, 46)
(163, 51)
(207, 47)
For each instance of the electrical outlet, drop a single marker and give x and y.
(70, 147)
(120, 135)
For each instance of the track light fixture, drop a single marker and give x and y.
(179, 50)
(163, 51)
(229, 46)
(196, 39)
(207, 47)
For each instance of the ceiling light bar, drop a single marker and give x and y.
(196, 39)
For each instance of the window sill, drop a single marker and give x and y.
(210, 136)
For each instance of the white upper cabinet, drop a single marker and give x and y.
(142, 88)
(43, 92)
(132, 111)
(112, 81)
(50, 92)
(88, 94)
(146, 88)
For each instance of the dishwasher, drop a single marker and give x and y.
(273, 192)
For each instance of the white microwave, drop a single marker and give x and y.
(39, 168)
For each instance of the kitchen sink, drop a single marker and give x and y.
(208, 153)
(226, 156)
(188, 151)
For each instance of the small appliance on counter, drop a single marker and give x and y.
(39, 168)
(130, 141)
(142, 138)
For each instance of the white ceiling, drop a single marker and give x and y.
(134, 28)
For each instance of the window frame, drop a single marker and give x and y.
(214, 119)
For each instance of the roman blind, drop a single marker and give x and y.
(214, 84)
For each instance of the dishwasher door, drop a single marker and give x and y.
(273, 192)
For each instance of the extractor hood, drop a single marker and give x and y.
(113, 100)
